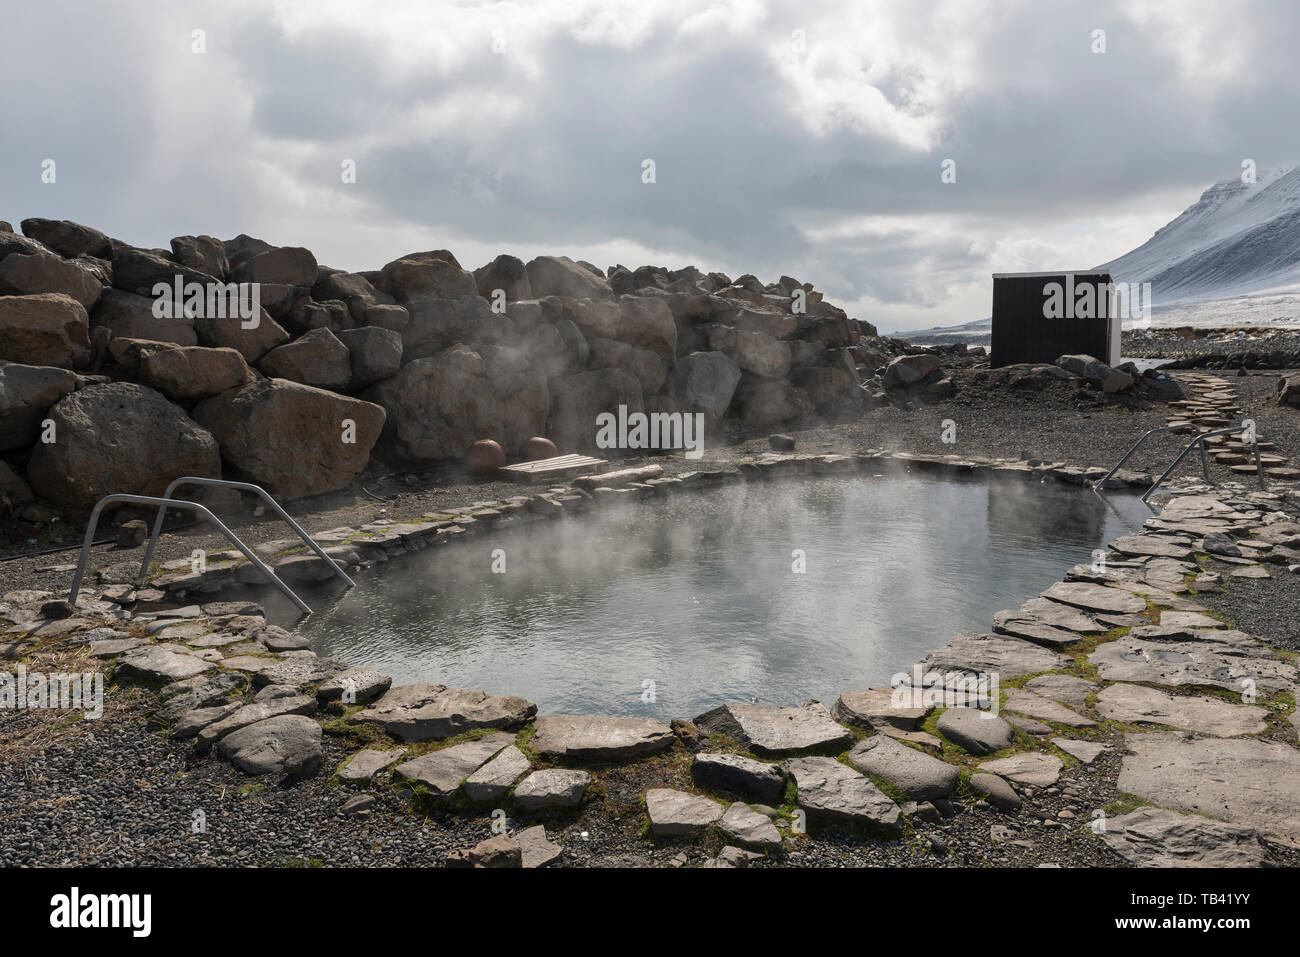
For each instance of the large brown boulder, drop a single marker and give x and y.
(128, 316)
(831, 389)
(705, 382)
(46, 272)
(252, 342)
(425, 275)
(577, 400)
(436, 324)
(26, 394)
(353, 290)
(139, 270)
(315, 358)
(763, 402)
(642, 321)
(284, 265)
(506, 273)
(68, 238)
(440, 405)
(649, 368)
(756, 352)
(244, 247)
(46, 329)
(118, 437)
(203, 253)
(292, 439)
(187, 374)
(561, 276)
(375, 354)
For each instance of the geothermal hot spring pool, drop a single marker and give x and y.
(697, 594)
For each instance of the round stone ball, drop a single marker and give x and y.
(484, 457)
(539, 448)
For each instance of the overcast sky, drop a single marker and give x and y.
(804, 138)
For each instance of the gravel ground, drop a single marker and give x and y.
(1268, 608)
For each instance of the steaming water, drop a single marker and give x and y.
(696, 593)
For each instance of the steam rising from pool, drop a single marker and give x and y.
(670, 607)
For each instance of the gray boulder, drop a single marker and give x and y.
(561, 276)
(316, 358)
(285, 265)
(44, 329)
(118, 437)
(128, 316)
(26, 394)
(288, 744)
(290, 438)
(375, 354)
(46, 272)
(68, 238)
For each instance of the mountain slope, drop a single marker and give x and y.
(1235, 240)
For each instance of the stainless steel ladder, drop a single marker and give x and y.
(166, 501)
(1197, 443)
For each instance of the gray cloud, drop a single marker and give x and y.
(823, 165)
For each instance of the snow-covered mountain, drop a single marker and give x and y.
(1238, 239)
(1232, 258)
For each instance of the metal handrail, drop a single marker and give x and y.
(1101, 483)
(165, 503)
(1197, 442)
(247, 487)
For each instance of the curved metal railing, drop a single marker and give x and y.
(247, 487)
(165, 503)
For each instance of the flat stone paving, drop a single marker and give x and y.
(1224, 783)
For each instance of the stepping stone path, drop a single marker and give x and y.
(768, 730)
(420, 712)
(1067, 689)
(363, 685)
(1085, 751)
(151, 663)
(551, 788)
(1030, 767)
(1029, 629)
(1212, 404)
(299, 671)
(492, 781)
(1224, 663)
(873, 707)
(747, 827)
(599, 738)
(252, 714)
(1095, 598)
(1135, 704)
(442, 772)
(1026, 702)
(207, 657)
(979, 732)
(739, 775)
(833, 792)
(1244, 781)
(288, 744)
(918, 775)
(993, 654)
(674, 813)
(1155, 837)
(535, 849)
(1054, 614)
(368, 763)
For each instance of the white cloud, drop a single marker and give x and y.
(823, 164)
